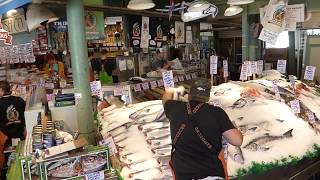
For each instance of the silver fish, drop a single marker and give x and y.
(258, 144)
(154, 125)
(146, 111)
(242, 102)
(235, 153)
(251, 128)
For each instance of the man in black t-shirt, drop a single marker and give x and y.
(196, 132)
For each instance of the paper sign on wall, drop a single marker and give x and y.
(260, 66)
(295, 13)
(168, 80)
(153, 84)
(309, 73)
(145, 86)
(254, 67)
(213, 65)
(225, 68)
(295, 106)
(281, 66)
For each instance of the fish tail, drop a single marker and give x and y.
(288, 133)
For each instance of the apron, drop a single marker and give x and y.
(201, 136)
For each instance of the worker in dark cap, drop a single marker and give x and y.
(197, 129)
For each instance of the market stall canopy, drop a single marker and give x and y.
(6, 5)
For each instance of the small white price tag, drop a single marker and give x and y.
(292, 80)
(181, 78)
(295, 106)
(188, 77)
(260, 66)
(254, 67)
(175, 79)
(160, 83)
(95, 176)
(117, 91)
(137, 87)
(194, 75)
(243, 74)
(168, 80)
(153, 84)
(145, 86)
(96, 89)
(311, 117)
(225, 68)
(213, 64)
(281, 66)
(309, 73)
(276, 90)
(249, 73)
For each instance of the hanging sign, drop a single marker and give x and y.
(260, 66)
(243, 74)
(60, 26)
(153, 84)
(281, 66)
(225, 68)
(168, 81)
(309, 73)
(295, 106)
(254, 67)
(145, 33)
(213, 64)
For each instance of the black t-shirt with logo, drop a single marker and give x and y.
(12, 122)
(192, 159)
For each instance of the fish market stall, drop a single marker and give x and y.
(280, 139)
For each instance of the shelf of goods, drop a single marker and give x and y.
(275, 138)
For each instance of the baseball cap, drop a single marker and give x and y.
(200, 90)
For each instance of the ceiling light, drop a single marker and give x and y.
(233, 10)
(11, 12)
(239, 2)
(140, 4)
(38, 14)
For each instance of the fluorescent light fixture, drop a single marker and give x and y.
(11, 12)
(233, 10)
(239, 2)
(37, 14)
(140, 4)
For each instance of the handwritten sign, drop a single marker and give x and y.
(95, 176)
(168, 80)
(213, 65)
(254, 67)
(243, 74)
(260, 66)
(153, 84)
(295, 106)
(95, 87)
(122, 64)
(249, 73)
(181, 78)
(292, 81)
(268, 36)
(137, 87)
(109, 142)
(145, 86)
(117, 91)
(276, 90)
(281, 66)
(311, 117)
(309, 73)
(188, 77)
(225, 68)
(160, 83)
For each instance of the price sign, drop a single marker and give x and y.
(243, 75)
(194, 75)
(249, 73)
(122, 64)
(117, 91)
(292, 81)
(153, 84)
(276, 90)
(175, 79)
(225, 68)
(295, 106)
(109, 142)
(145, 86)
(22, 89)
(281, 66)
(168, 80)
(311, 117)
(95, 176)
(95, 87)
(188, 77)
(309, 73)
(260, 66)
(213, 65)
(254, 67)
(137, 87)
(181, 78)
(160, 83)
(49, 85)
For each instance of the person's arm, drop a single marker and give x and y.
(232, 135)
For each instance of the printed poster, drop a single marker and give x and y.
(295, 13)
(179, 32)
(145, 36)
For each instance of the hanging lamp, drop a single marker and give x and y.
(140, 4)
(37, 14)
(239, 2)
(233, 10)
